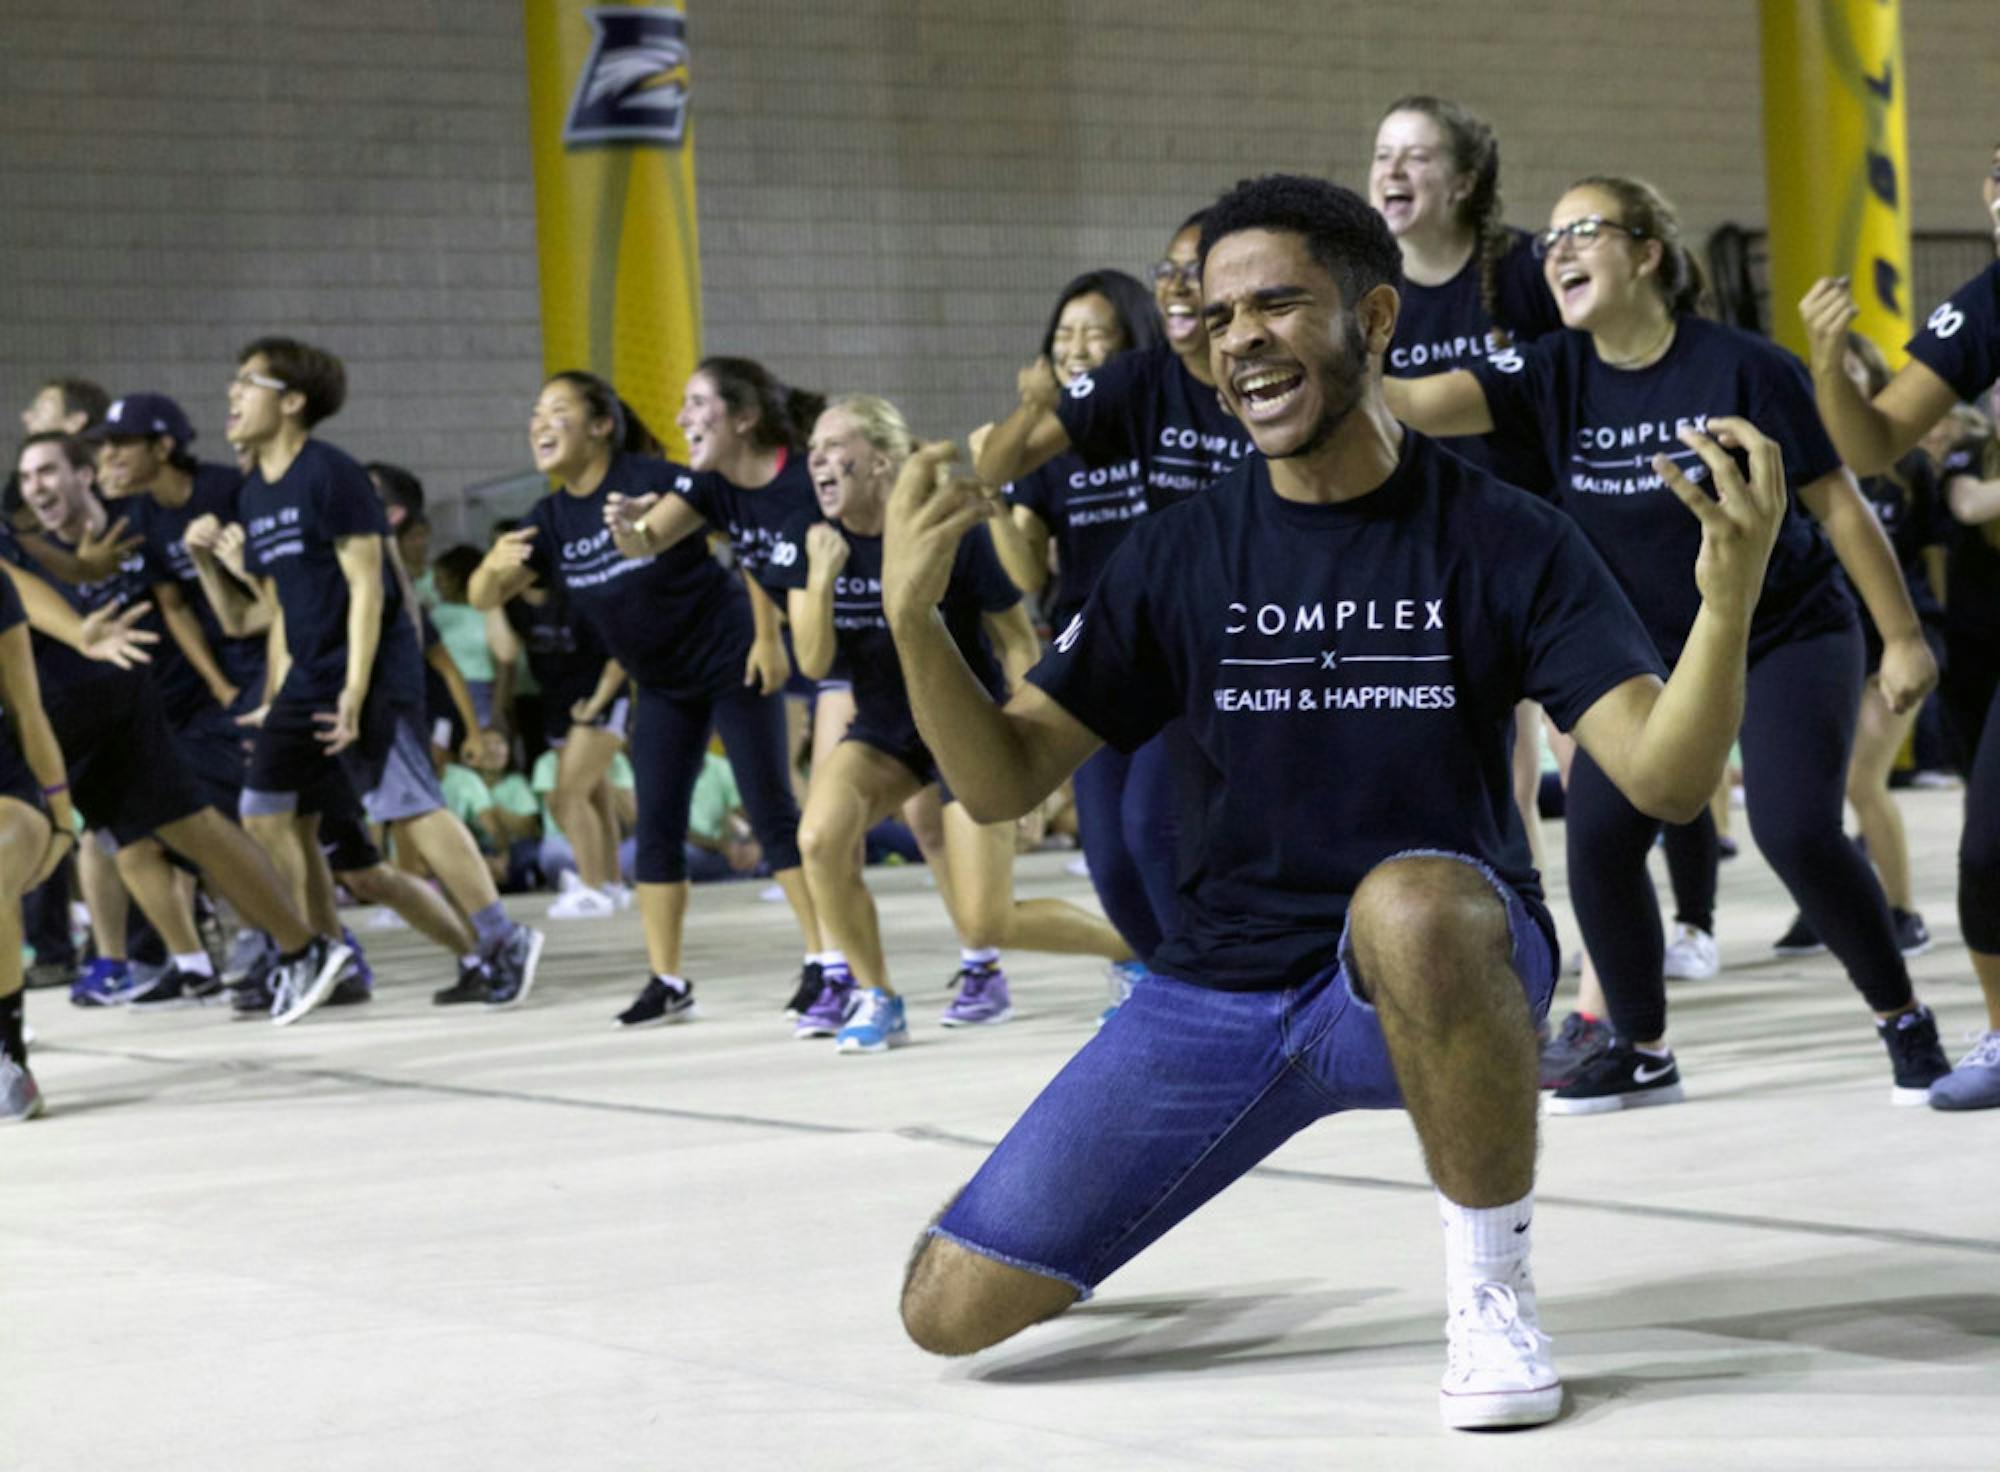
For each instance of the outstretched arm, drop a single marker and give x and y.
(999, 760)
(1440, 404)
(1909, 669)
(1871, 436)
(1664, 746)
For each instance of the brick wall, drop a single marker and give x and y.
(890, 190)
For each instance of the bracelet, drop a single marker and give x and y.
(54, 788)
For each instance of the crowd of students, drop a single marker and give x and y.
(248, 687)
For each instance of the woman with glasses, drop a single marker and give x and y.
(1956, 356)
(1062, 522)
(1609, 397)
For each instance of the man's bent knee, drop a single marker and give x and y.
(957, 1302)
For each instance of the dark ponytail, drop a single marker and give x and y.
(1644, 210)
(1475, 153)
(784, 415)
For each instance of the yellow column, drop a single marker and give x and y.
(1835, 162)
(613, 140)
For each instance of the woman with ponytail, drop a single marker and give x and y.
(677, 624)
(1609, 397)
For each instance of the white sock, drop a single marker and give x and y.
(985, 956)
(675, 984)
(833, 961)
(1485, 1243)
(195, 963)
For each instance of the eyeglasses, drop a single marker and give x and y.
(259, 380)
(1166, 273)
(1583, 234)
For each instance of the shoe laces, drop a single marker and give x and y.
(1985, 1051)
(974, 980)
(1486, 1331)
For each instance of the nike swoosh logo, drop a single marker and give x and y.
(1644, 1075)
(1520, 1229)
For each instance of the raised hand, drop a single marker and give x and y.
(1828, 311)
(826, 552)
(510, 550)
(1037, 384)
(110, 635)
(1739, 524)
(99, 554)
(930, 511)
(230, 541)
(201, 532)
(626, 516)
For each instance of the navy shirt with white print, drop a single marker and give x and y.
(166, 559)
(1346, 677)
(291, 530)
(1601, 427)
(754, 520)
(1087, 510)
(1447, 326)
(1972, 558)
(1960, 341)
(978, 586)
(677, 621)
(1146, 406)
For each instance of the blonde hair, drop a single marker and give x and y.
(881, 424)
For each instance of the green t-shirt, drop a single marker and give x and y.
(714, 797)
(463, 630)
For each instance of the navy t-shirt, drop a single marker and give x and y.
(1601, 428)
(1346, 678)
(978, 586)
(564, 654)
(676, 621)
(1146, 406)
(1961, 339)
(183, 692)
(755, 521)
(1913, 517)
(290, 532)
(163, 529)
(1447, 326)
(1972, 560)
(15, 779)
(1088, 511)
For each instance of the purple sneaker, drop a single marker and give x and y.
(982, 998)
(830, 1009)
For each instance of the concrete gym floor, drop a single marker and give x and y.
(405, 1237)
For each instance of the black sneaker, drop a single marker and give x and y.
(302, 982)
(1580, 1040)
(1913, 937)
(511, 965)
(1799, 940)
(174, 988)
(1620, 1077)
(250, 1000)
(1915, 1054)
(473, 985)
(658, 1003)
(810, 976)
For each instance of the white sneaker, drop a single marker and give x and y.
(583, 903)
(1692, 955)
(20, 1096)
(620, 892)
(1497, 1371)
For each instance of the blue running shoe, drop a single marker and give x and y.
(103, 984)
(877, 1025)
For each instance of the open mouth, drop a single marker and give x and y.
(1572, 285)
(546, 447)
(1183, 322)
(1268, 392)
(1397, 201)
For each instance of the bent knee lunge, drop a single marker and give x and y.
(957, 1302)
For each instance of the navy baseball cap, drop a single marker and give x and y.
(141, 416)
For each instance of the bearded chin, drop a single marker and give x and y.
(1343, 383)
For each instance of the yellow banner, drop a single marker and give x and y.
(1836, 163)
(613, 135)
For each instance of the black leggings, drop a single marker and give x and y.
(1693, 857)
(669, 739)
(1979, 842)
(1798, 731)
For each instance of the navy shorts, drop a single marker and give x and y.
(126, 775)
(388, 764)
(1184, 1090)
(215, 750)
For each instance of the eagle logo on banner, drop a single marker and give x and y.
(634, 87)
